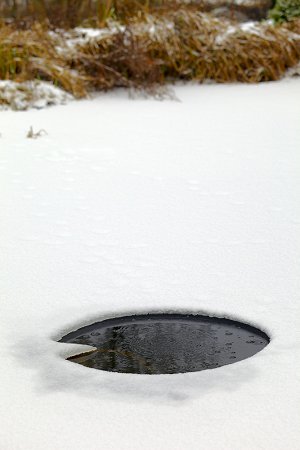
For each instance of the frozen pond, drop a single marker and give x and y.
(141, 206)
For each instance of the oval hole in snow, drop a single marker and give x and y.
(165, 343)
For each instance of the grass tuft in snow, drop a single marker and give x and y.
(31, 134)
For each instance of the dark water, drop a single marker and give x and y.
(166, 343)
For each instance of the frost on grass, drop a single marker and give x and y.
(30, 94)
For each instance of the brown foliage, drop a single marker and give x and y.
(189, 46)
(32, 54)
(71, 13)
(151, 51)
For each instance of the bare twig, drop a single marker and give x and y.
(34, 135)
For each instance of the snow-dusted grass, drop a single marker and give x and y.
(147, 52)
(139, 205)
(30, 94)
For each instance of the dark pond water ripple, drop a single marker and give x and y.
(166, 343)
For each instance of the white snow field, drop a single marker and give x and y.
(130, 206)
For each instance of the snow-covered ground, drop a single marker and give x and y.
(140, 205)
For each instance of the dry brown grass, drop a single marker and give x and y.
(71, 13)
(188, 46)
(32, 54)
(150, 51)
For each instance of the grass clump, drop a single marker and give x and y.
(185, 45)
(33, 54)
(285, 10)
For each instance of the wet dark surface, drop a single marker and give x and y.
(166, 343)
